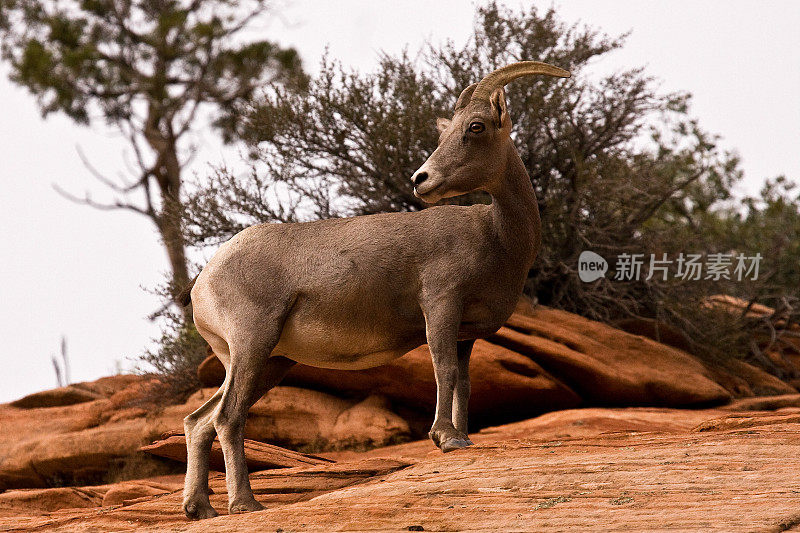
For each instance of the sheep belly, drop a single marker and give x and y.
(347, 337)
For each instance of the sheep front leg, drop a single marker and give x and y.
(462, 389)
(442, 333)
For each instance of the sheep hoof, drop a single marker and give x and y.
(245, 507)
(198, 510)
(454, 444)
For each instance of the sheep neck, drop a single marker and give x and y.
(515, 210)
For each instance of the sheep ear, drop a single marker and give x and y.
(499, 110)
(465, 96)
(442, 124)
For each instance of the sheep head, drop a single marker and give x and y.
(473, 145)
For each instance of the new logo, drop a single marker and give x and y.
(591, 266)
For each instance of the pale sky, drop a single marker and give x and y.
(71, 270)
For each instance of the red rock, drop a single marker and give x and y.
(607, 366)
(731, 375)
(368, 424)
(80, 442)
(37, 501)
(61, 396)
(122, 493)
(108, 385)
(758, 381)
(748, 420)
(210, 372)
(127, 414)
(78, 392)
(653, 329)
(72, 457)
(764, 403)
(597, 469)
(47, 500)
(505, 384)
(775, 358)
(260, 456)
(302, 418)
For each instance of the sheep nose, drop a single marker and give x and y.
(419, 178)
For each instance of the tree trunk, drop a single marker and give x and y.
(167, 172)
(170, 228)
(169, 225)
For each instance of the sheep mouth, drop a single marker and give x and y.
(422, 194)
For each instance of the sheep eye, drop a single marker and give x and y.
(477, 127)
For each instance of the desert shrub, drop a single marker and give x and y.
(618, 166)
(176, 354)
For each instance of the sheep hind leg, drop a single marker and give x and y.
(199, 436)
(251, 374)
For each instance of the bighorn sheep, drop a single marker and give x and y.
(358, 292)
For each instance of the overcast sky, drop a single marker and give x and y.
(70, 270)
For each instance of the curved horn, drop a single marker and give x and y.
(509, 73)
